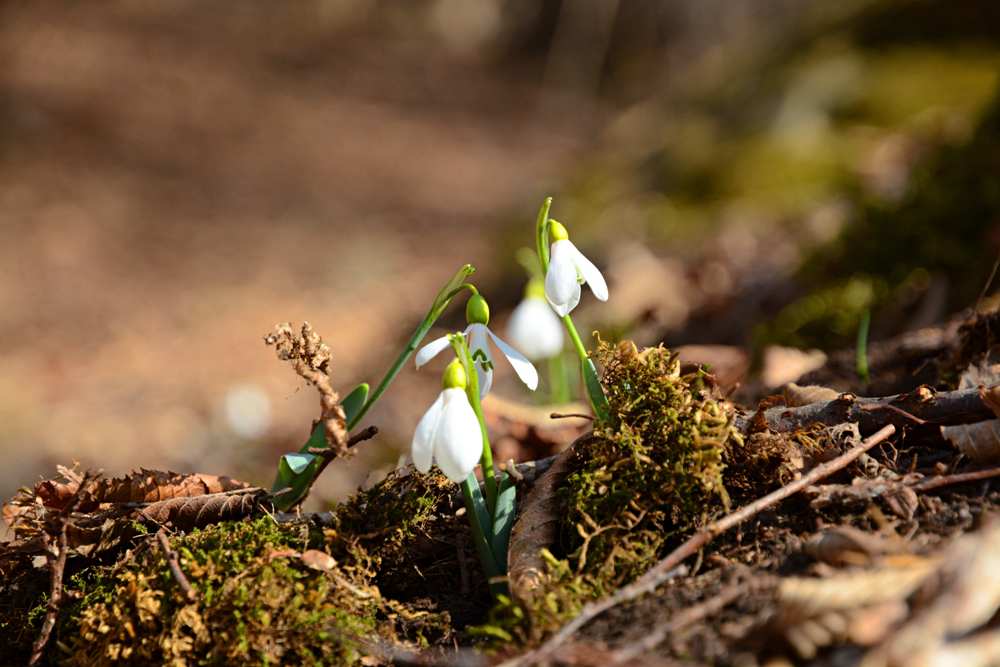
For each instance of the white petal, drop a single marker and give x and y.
(479, 342)
(422, 447)
(431, 350)
(591, 274)
(458, 445)
(524, 368)
(485, 377)
(561, 288)
(535, 329)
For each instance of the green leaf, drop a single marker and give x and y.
(479, 521)
(449, 290)
(358, 402)
(295, 471)
(441, 301)
(503, 520)
(595, 391)
(295, 464)
(354, 401)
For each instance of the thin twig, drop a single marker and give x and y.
(667, 568)
(568, 415)
(913, 418)
(958, 478)
(57, 563)
(327, 455)
(175, 567)
(683, 619)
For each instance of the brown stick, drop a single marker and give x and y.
(923, 404)
(568, 415)
(958, 478)
(667, 568)
(58, 564)
(175, 567)
(683, 619)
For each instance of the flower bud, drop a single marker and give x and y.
(557, 231)
(454, 376)
(477, 311)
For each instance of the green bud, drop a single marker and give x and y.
(454, 375)
(477, 311)
(557, 231)
(535, 289)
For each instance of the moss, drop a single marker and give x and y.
(648, 477)
(260, 603)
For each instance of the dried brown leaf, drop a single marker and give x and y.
(537, 527)
(138, 486)
(980, 441)
(318, 560)
(846, 545)
(797, 395)
(199, 511)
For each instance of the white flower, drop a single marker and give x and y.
(478, 335)
(535, 329)
(448, 434)
(568, 269)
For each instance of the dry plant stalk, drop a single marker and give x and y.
(310, 357)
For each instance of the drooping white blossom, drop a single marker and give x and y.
(568, 269)
(479, 336)
(533, 326)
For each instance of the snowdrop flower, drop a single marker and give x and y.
(448, 434)
(533, 327)
(477, 314)
(568, 269)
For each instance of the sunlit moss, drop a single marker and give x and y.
(653, 473)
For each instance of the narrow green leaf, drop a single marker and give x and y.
(479, 521)
(861, 353)
(295, 472)
(354, 401)
(441, 301)
(358, 402)
(295, 464)
(503, 520)
(595, 391)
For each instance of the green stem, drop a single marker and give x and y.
(591, 383)
(581, 351)
(472, 391)
(558, 387)
(477, 517)
(861, 354)
(542, 234)
(444, 297)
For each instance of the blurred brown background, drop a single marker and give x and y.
(177, 177)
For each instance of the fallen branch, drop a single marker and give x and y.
(173, 561)
(668, 567)
(958, 478)
(685, 618)
(921, 405)
(57, 563)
